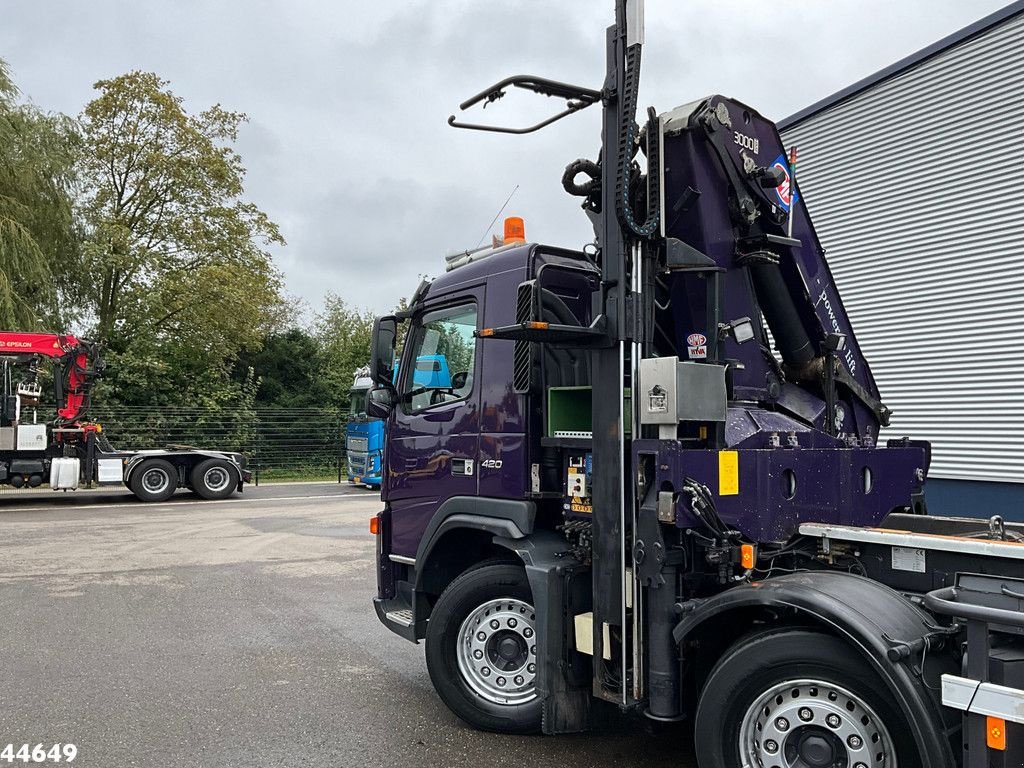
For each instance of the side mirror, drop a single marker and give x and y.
(379, 403)
(382, 352)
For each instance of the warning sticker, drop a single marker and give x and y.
(908, 559)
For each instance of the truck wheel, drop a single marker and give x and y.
(154, 480)
(482, 650)
(788, 698)
(214, 479)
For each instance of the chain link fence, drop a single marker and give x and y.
(280, 443)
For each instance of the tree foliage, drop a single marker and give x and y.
(344, 334)
(177, 273)
(39, 239)
(130, 225)
(290, 366)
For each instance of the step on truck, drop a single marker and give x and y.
(661, 482)
(70, 452)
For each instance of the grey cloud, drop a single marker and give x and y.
(347, 147)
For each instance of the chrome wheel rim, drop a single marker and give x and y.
(216, 479)
(155, 480)
(813, 724)
(497, 652)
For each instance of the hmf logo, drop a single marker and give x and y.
(697, 346)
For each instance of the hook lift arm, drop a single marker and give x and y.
(576, 98)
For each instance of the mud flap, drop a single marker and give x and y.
(560, 586)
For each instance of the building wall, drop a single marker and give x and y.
(916, 188)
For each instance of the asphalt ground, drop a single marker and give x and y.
(234, 633)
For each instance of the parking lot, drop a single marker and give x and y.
(233, 633)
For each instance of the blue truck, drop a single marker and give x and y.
(364, 435)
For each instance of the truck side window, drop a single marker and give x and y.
(443, 350)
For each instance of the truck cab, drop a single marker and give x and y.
(469, 443)
(364, 436)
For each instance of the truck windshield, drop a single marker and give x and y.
(357, 402)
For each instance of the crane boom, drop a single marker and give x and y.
(77, 364)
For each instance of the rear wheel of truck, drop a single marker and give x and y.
(795, 698)
(154, 480)
(482, 650)
(213, 479)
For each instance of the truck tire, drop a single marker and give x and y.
(796, 697)
(214, 479)
(154, 480)
(481, 650)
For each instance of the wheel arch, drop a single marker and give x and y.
(878, 622)
(462, 534)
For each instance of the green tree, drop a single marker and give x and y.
(178, 276)
(344, 334)
(39, 242)
(289, 368)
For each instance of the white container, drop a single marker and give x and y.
(64, 473)
(31, 437)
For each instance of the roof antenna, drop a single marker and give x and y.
(500, 210)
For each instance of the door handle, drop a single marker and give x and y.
(462, 467)
(446, 415)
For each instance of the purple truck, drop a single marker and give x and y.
(655, 477)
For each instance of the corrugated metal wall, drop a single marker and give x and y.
(916, 187)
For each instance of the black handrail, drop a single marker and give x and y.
(576, 98)
(945, 601)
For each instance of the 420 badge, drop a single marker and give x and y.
(697, 346)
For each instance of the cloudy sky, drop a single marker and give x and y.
(347, 145)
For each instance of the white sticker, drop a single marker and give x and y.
(697, 353)
(657, 400)
(908, 559)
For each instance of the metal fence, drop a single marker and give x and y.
(280, 443)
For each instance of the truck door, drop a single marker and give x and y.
(434, 438)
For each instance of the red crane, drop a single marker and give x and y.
(77, 363)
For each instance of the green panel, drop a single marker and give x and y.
(570, 409)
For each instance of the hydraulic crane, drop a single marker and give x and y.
(69, 451)
(633, 497)
(76, 364)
